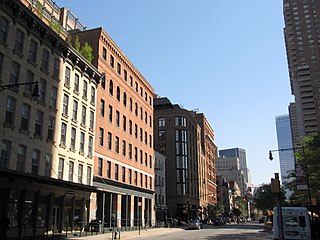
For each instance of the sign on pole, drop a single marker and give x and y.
(301, 177)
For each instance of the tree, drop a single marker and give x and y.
(86, 51)
(215, 210)
(77, 44)
(264, 199)
(308, 155)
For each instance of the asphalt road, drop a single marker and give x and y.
(247, 231)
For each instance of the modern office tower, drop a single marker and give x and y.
(124, 154)
(229, 169)
(241, 154)
(286, 158)
(302, 23)
(177, 136)
(47, 91)
(160, 187)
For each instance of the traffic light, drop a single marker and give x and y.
(270, 155)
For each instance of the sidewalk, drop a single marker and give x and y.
(130, 234)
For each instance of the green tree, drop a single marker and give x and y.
(77, 45)
(86, 51)
(264, 199)
(215, 210)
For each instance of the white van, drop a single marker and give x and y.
(296, 223)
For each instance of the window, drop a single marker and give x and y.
(28, 87)
(53, 99)
(91, 126)
(80, 173)
(136, 86)
(67, 77)
(85, 89)
(135, 177)
(93, 96)
(109, 169)
(161, 134)
(116, 172)
(14, 73)
(123, 174)
(75, 110)
(82, 137)
(150, 182)
(83, 115)
(146, 159)
(33, 51)
(150, 121)
(150, 140)
(25, 117)
(119, 68)
(116, 145)
(109, 140)
(103, 82)
(130, 151)
(56, 69)
(104, 53)
(21, 158)
(111, 61)
(111, 88)
(131, 81)
(101, 133)
(150, 161)
(76, 83)
(110, 113)
(102, 108)
(45, 61)
(42, 90)
(162, 122)
(51, 123)
(5, 154)
(39, 123)
(136, 154)
(141, 113)
(141, 92)
(65, 104)
(130, 127)
(136, 130)
(118, 94)
(100, 166)
(136, 109)
(89, 172)
(145, 117)
(141, 157)
(18, 45)
(3, 29)
(73, 138)
(146, 96)
(117, 118)
(130, 104)
(141, 134)
(130, 176)
(71, 171)
(35, 161)
(125, 74)
(48, 165)
(90, 147)
(145, 137)
(124, 99)
(181, 121)
(10, 110)
(60, 168)
(146, 181)
(124, 123)
(63, 134)
(124, 148)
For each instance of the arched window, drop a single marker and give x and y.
(130, 104)
(136, 109)
(111, 88)
(125, 99)
(118, 93)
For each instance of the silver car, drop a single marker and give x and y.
(195, 224)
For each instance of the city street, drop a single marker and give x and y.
(253, 231)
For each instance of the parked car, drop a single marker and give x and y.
(194, 224)
(218, 221)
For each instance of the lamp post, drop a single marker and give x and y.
(35, 93)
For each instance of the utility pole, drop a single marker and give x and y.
(275, 189)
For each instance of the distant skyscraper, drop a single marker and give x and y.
(284, 137)
(302, 24)
(241, 154)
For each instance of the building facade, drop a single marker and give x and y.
(46, 143)
(302, 19)
(160, 187)
(124, 155)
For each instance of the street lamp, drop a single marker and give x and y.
(35, 93)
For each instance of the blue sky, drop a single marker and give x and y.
(224, 57)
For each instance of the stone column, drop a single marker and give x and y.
(118, 210)
(131, 211)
